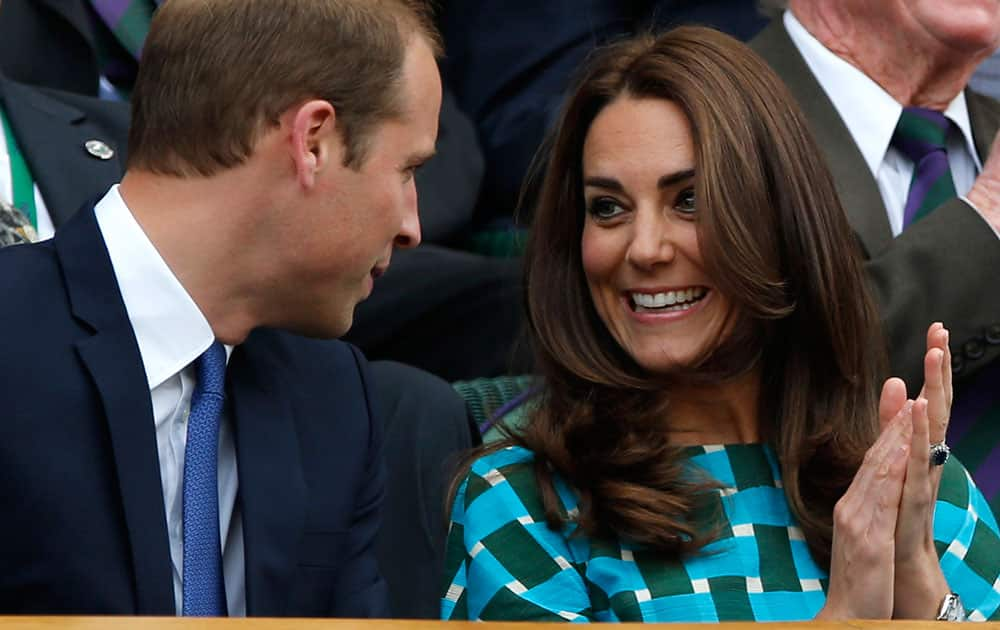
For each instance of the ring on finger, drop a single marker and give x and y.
(939, 453)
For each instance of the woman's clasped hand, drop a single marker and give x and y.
(884, 562)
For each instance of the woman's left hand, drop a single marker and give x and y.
(919, 584)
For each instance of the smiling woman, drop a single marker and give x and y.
(711, 443)
(639, 249)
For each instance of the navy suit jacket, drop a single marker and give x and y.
(84, 529)
(52, 128)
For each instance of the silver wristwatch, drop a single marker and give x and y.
(951, 608)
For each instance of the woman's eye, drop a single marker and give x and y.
(685, 201)
(604, 208)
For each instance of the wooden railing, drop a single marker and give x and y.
(177, 623)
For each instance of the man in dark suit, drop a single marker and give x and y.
(452, 312)
(170, 443)
(857, 68)
(72, 148)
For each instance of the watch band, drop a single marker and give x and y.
(951, 608)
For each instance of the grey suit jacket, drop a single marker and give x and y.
(944, 268)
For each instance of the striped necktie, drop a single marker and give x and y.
(128, 20)
(920, 135)
(974, 429)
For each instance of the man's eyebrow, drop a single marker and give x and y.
(419, 159)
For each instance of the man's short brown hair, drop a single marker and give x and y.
(216, 73)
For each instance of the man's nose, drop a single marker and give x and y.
(409, 230)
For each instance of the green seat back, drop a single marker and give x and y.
(486, 396)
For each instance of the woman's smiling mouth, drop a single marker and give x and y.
(674, 300)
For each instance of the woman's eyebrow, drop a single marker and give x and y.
(673, 178)
(608, 183)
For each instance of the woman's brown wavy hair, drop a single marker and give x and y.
(776, 243)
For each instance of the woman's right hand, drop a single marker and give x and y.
(920, 583)
(864, 525)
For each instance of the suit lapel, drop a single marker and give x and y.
(112, 358)
(985, 119)
(52, 136)
(272, 484)
(856, 187)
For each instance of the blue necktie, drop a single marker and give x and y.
(204, 590)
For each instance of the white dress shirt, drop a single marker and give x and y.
(171, 333)
(871, 114)
(45, 227)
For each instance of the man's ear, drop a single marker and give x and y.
(315, 141)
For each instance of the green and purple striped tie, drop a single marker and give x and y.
(920, 135)
(128, 20)
(974, 429)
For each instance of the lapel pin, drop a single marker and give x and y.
(99, 149)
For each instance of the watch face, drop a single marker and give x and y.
(959, 610)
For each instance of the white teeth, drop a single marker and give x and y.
(654, 300)
(682, 299)
(666, 309)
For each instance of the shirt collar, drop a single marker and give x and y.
(869, 112)
(169, 328)
(958, 113)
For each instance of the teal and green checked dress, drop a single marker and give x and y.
(503, 562)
